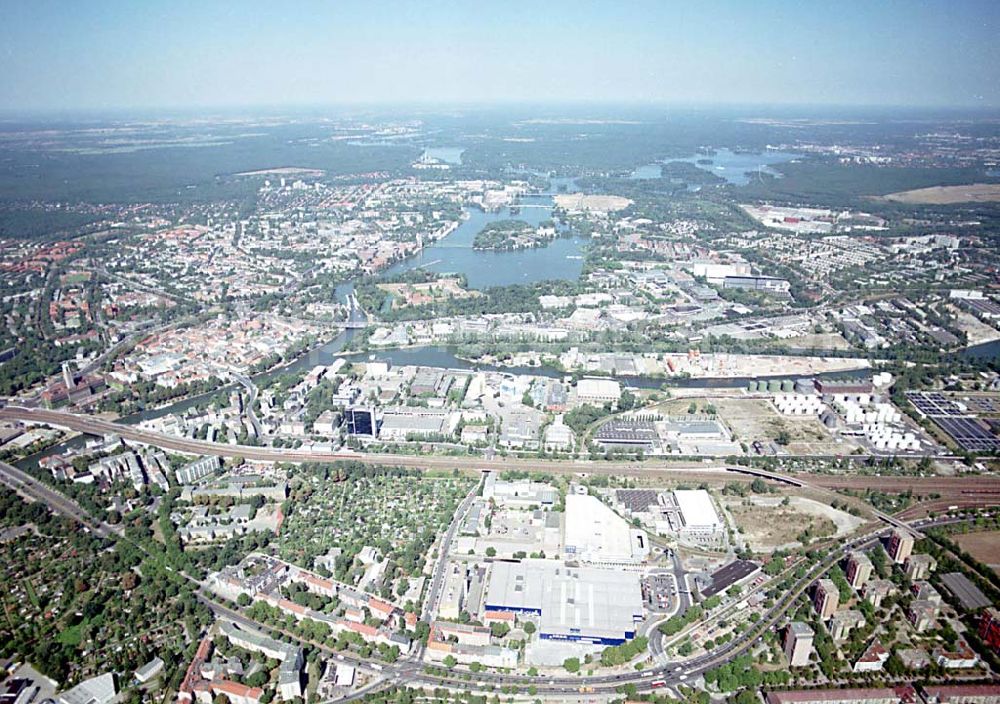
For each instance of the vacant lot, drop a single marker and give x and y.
(752, 419)
(822, 340)
(943, 195)
(767, 525)
(984, 546)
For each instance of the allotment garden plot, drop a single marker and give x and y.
(349, 521)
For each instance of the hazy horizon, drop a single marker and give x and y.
(63, 57)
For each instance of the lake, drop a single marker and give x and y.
(560, 259)
(726, 164)
(449, 155)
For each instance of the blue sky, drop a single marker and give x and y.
(67, 55)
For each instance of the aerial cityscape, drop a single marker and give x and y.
(396, 352)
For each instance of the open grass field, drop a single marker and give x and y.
(945, 195)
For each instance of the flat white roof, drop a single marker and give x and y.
(344, 676)
(598, 387)
(696, 508)
(594, 532)
(96, 690)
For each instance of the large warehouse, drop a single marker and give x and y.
(598, 535)
(572, 603)
(699, 519)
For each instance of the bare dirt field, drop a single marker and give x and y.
(768, 526)
(823, 340)
(579, 201)
(984, 546)
(943, 195)
(755, 418)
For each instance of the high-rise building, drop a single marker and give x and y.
(798, 644)
(900, 546)
(919, 566)
(826, 598)
(859, 569)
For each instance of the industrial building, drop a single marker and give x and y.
(628, 435)
(404, 422)
(96, 690)
(519, 493)
(700, 521)
(597, 535)
(704, 435)
(688, 514)
(839, 388)
(598, 390)
(767, 284)
(726, 576)
(361, 421)
(582, 604)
